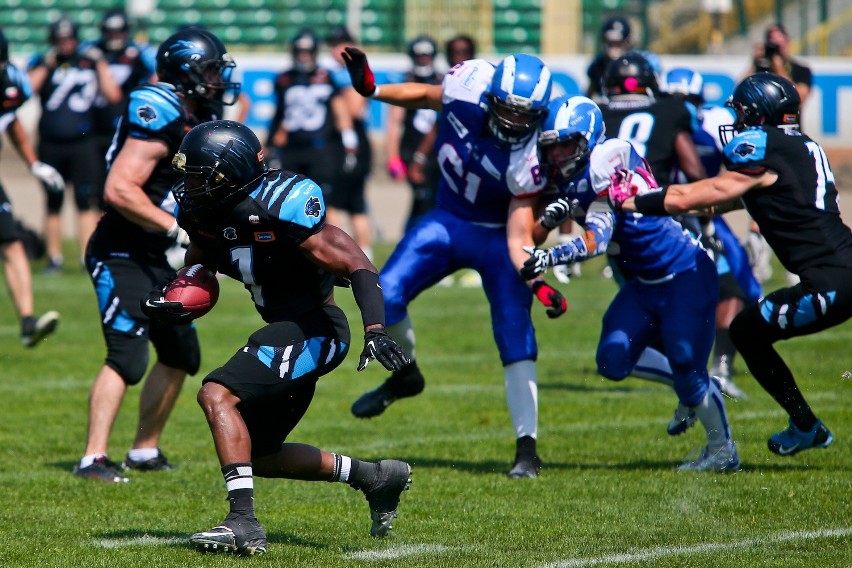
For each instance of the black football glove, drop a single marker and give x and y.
(555, 213)
(550, 297)
(362, 76)
(157, 308)
(537, 264)
(378, 346)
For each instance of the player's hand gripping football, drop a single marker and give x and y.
(362, 76)
(156, 307)
(550, 297)
(537, 264)
(378, 346)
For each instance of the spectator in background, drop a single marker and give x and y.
(408, 126)
(615, 42)
(773, 55)
(348, 194)
(15, 92)
(67, 81)
(130, 64)
(311, 120)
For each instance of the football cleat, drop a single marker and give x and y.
(404, 383)
(684, 418)
(792, 440)
(239, 535)
(34, 332)
(158, 463)
(726, 384)
(723, 459)
(102, 469)
(527, 463)
(392, 478)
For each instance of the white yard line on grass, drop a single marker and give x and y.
(143, 540)
(394, 552)
(654, 553)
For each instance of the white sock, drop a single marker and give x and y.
(90, 459)
(713, 416)
(653, 366)
(143, 454)
(403, 334)
(522, 397)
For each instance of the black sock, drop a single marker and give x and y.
(28, 325)
(362, 474)
(724, 347)
(239, 482)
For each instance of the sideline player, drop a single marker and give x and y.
(486, 149)
(785, 182)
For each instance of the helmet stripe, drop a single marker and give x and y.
(541, 87)
(507, 81)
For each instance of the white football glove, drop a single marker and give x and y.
(48, 175)
(178, 234)
(556, 213)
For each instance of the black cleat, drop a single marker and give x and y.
(527, 463)
(159, 463)
(404, 383)
(102, 469)
(392, 478)
(243, 536)
(34, 330)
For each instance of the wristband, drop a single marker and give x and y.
(350, 139)
(368, 296)
(173, 230)
(375, 93)
(652, 203)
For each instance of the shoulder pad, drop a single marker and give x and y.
(746, 147)
(467, 81)
(609, 156)
(153, 107)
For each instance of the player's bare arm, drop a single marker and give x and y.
(335, 252)
(123, 190)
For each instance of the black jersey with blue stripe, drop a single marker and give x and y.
(799, 215)
(153, 112)
(15, 89)
(257, 243)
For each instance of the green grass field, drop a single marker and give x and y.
(609, 494)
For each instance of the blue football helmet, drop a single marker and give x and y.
(569, 119)
(221, 162)
(517, 97)
(763, 98)
(686, 83)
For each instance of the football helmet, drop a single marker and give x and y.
(115, 29)
(574, 120)
(517, 97)
(221, 161)
(422, 51)
(615, 36)
(763, 98)
(196, 62)
(686, 83)
(630, 74)
(61, 28)
(304, 46)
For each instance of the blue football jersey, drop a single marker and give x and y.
(648, 247)
(479, 173)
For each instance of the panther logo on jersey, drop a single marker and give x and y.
(744, 149)
(230, 233)
(146, 113)
(313, 207)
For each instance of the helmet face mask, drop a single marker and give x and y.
(221, 161)
(573, 128)
(517, 98)
(197, 64)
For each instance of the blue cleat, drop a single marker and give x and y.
(792, 440)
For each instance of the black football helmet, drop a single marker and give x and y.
(115, 29)
(763, 98)
(304, 47)
(62, 27)
(196, 62)
(630, 74)
(221, 161)
(422, 51)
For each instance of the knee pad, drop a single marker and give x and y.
(127, 355)
(177, 347)
(612, 362)
(85, 197)
(55, 200)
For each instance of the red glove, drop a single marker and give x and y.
(362, 76)
(550, 297)
(396, 168)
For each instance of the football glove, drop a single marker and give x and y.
(362, 76)
(537, 264)
(157, 308)
(555, 214)
(550, 297)
(378, 346)
(179, 235)
(625, 185)
(48, 175)
(397, 168)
